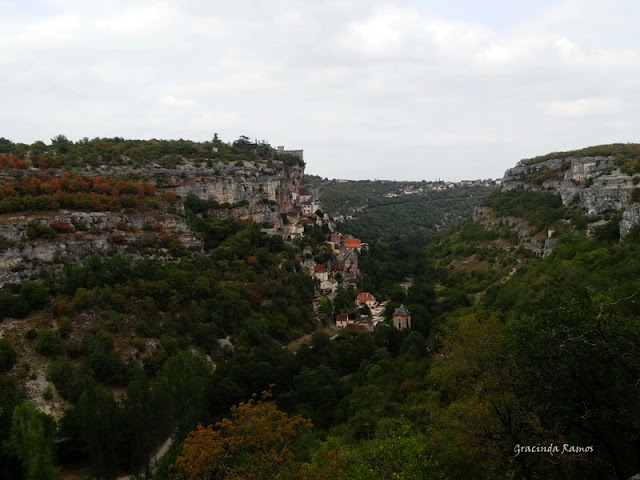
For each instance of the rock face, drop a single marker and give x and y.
(540, 243)
(86, 234)
(257, 191)
(630, 218)
(261, 192)
(593, 183)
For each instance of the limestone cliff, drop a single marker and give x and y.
(594, 183)
(260, 191)
(87, 234)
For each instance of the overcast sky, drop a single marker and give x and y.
(403, 90)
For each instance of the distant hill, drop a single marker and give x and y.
(374, 210)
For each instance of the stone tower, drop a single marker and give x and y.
(402, 318)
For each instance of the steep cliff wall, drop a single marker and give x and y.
(594, 183)
(87, 234)
(262, 191)
(257, 191)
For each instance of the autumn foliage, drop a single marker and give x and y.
(12, 161)
(256, 443)
(42, 193)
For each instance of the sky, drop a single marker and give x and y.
(370, 89)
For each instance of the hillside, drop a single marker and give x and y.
(600, 180)
(374, 210)
(137, 305)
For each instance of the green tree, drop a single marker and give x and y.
(186, 381)
(147, 419)
(102, 423)
(31, 441)
(10, 398)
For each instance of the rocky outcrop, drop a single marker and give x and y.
(260, 191)
(630, 218)
(593, 183)
(540, 243)
(85, 234)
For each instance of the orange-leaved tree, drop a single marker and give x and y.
(256, 443)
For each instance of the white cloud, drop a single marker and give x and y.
(385, 85)
(584, 107)
(140, 21)
(171, 101)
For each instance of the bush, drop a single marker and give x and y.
(48, 343)
(103, 361)
(13, 306)
(7, 355)
(39, 230)
(35, 294)
(62, 373)
(65, 326)
(5, 243)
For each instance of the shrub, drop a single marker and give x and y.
(48, 393)
(65, 326)
(48, 343)
(7, 355)
(62, 373)
(102, 359)
(39, 230)
(5, 243)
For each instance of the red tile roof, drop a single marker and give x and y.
(352, 243)
(365, 297)
(320, 268)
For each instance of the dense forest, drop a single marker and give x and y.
(515, 366)
(375, 216)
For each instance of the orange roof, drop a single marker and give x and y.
(352, 243)
(320, 268)
(365, 297)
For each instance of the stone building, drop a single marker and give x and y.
(402, 318)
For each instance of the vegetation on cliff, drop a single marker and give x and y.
(117, 151)
(507, 351)
(627, 155)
